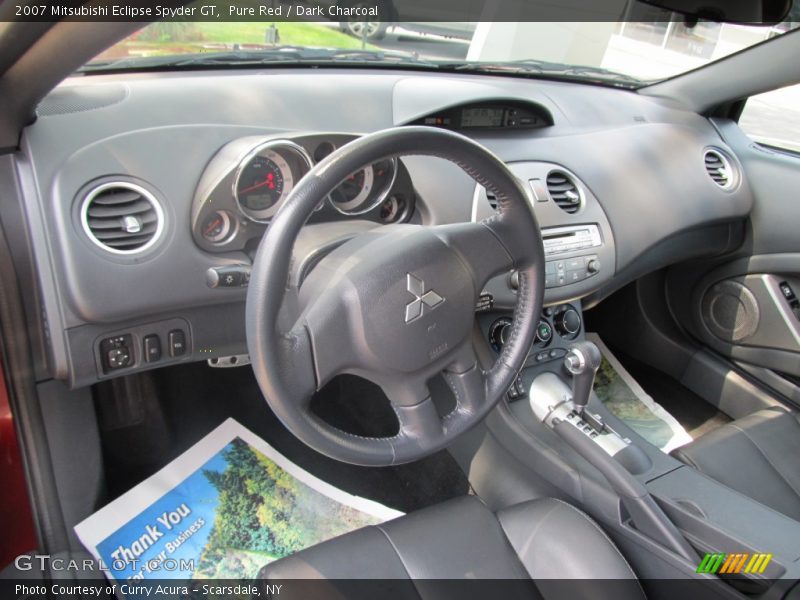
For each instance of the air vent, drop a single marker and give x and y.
(122, 217)
(719, 169)
(564, 191)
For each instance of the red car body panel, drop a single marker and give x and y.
(16, 518)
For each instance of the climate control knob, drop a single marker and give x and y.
(568, 323)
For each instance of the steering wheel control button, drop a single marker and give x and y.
(229, 276)
(152, 348)
(485, 303)
(117, 352)
(177, 343)
(787, 290)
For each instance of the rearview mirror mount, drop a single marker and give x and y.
(750, 12)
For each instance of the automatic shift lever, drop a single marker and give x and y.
(582, 361)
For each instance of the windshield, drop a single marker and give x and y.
(627, 54)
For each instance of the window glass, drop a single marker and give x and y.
(773, 118)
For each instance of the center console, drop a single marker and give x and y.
(560, 439)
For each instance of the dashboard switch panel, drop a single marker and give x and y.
(117, 352)
(152, 348)
(177, 343)
(141, 346)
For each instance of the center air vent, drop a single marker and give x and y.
(719, 169)
(564, 191)
(122, 217)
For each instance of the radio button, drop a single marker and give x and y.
(575, 276)
(575, 264)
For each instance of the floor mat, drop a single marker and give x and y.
(192, 399)
(222, 510)
(625, 398)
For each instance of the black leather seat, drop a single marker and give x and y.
(462, 539)
(757, 455)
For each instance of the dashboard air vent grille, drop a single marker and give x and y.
(122, 218)
(564, 191)
(719, 169)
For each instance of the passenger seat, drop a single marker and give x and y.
(757, 455)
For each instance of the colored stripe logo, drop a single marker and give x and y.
(720, 563)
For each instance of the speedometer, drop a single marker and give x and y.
(354, 191)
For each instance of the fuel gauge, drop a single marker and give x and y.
(218, 227)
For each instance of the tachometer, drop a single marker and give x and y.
(266, 175)
(364, 190)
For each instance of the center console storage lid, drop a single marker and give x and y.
(715, 518)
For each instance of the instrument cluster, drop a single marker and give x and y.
(249, 179)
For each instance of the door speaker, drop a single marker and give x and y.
(730, 311)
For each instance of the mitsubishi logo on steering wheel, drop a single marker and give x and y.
(422, 300)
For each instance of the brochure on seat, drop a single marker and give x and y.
(222, 510)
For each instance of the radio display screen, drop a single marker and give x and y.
(482, 117)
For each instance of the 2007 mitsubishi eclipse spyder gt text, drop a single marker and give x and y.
(360, 298)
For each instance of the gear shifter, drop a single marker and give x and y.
(582, 361)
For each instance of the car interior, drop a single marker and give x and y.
(407, 278)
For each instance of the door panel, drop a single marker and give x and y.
(747, 307)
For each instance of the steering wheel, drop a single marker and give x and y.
(395, 304)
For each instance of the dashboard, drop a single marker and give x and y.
(146, 196)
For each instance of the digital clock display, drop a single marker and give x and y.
(482, 117)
